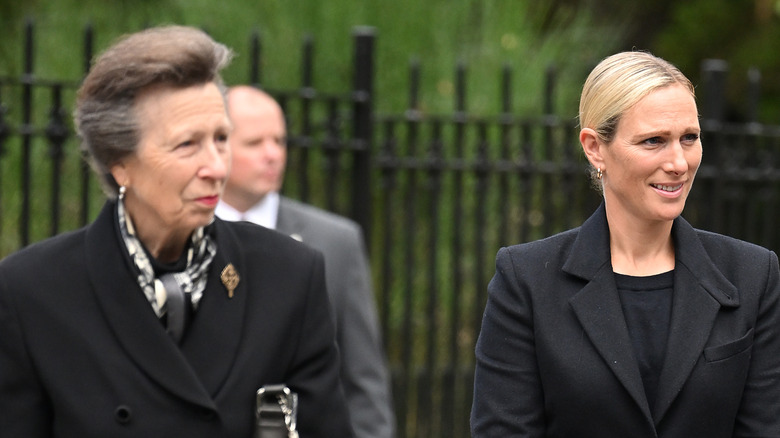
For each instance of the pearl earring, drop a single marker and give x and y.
(122, 191)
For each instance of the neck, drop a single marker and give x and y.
(640, 248)
(164, 244)
(242, 204)
(164, 249)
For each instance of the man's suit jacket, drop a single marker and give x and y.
(363, 366)
(83, 355)
(554, 357)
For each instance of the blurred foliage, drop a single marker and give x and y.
(746, 33)
(526, 36)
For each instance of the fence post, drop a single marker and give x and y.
(362, 98)
(713, 108)
(713, 112)
(57, 134)
(85, 169)
(753, 94)
(27, 132)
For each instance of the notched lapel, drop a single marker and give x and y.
(131, 317)
(598, 309)
(700, 291)
(693, 313)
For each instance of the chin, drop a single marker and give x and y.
(670, 214)
(201, 220)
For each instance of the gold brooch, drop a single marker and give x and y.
(230, 279)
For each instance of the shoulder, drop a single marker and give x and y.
(717, 247)
(254, 241)
(49, 268)
(735, 258)
(555, 247)
(722, 246)
(322, 218)
(51, 253)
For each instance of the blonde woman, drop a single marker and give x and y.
(634, 324)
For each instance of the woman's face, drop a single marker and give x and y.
(650, 165)
(176, 176)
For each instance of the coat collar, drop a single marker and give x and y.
(700, 290)
(195, 370)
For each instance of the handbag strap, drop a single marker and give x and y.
(276, 412)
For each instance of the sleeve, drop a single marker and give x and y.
(314, 375)
(24, 407)
(508, 400)
(758, 413)
(364, 369)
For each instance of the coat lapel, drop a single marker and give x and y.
(213, 339)
(700, 290)
(288, 222)
(598, 308)
(130, 316)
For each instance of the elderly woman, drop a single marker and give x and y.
(634, 324)
(158, 319)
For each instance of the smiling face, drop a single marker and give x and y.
(177, 174)
(649, 166)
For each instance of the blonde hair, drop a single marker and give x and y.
(617, 83)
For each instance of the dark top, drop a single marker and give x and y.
(647, 307)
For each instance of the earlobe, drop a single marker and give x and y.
(120, 174)
(591, 146)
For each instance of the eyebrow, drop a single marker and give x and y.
(663, 133)
(650, 134)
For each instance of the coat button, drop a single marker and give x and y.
(123, 414)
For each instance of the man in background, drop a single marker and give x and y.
(259, 147)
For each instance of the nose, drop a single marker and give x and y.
(274, 151)
(216, 161)
(677, 162)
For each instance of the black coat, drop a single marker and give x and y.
(82, 354)
(554, 357)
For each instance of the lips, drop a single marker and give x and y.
(209, 200)
(666, 188)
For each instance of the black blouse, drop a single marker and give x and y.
(647, 307)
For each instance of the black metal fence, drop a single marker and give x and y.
(437, 196)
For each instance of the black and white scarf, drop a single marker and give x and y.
(192, 280)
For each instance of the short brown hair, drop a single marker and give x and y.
(175, 56)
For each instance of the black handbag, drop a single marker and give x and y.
(276, 412)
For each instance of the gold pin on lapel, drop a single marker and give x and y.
(230, 279)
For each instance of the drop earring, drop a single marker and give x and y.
(122, 191)
(599, 173)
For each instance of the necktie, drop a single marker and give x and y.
(177, 306)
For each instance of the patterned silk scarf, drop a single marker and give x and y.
(200, 253)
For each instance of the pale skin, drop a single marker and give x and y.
(178, 172)
(259, 146)
(648, 170)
